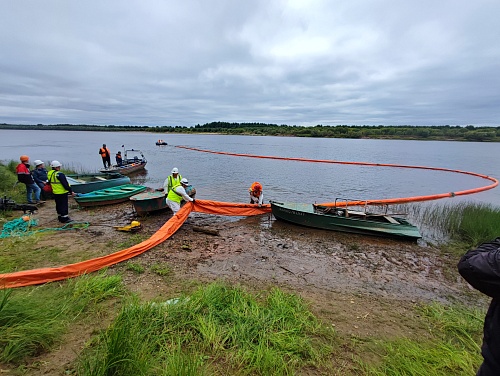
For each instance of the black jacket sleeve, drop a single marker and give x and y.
(481, 268)
(64, 182)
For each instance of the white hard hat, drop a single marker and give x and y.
(184, 181)
(55, 164)
(38, 162)
(175, 170)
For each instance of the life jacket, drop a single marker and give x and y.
(57, 187)
(103, 152)
(173, 195)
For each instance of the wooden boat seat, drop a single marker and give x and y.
(100, 178)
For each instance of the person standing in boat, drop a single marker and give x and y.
(172, 180)
(119, 159)
(256, 193)
(177, 194)
(105, 155)
(61, 190)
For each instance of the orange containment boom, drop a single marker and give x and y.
(400, 200)
(43, 275)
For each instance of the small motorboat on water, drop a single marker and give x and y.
(161, 142)
(133, 160)
(85, 183)
(341, 218)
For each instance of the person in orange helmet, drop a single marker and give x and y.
(24, 176)
(256, 194)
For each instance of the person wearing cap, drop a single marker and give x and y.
(171, 180)
(177, 194)
(40, 175)
(119, 159)
(105, 155)
(256, 194)
(61, 190)
(24, 176)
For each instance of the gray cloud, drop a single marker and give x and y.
(285, 62)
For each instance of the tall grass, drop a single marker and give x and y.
(218, 329)
(464, 222)
(452, 349)
(33, 319)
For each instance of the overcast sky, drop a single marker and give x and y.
(302, 62)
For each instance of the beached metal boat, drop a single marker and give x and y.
(133, 161)
(339, 218)
(149, 202)
(154, 201)
(85, 183)
(109, 196)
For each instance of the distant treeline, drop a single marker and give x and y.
(401, 132)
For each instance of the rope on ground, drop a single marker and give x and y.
(23, 227)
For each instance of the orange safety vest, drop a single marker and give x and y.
(103, 151)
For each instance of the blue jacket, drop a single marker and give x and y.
(40, 176)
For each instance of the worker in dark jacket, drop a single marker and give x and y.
(40, 176)
(119, 159)
(60, 189)
(481, 268)
(24, 176)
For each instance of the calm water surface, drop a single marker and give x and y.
(227, 178)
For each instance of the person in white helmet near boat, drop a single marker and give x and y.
(61, 190)
(171, 180)
(177, 194)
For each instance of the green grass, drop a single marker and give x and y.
(135, 267)
(218, 329)
(32, 320)
(451, 349)
(459, 225)
(162, 269)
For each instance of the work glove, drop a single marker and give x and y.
(194, 200)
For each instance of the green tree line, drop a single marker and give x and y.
(401, 132)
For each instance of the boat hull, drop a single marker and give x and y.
(109, 196)
(126, 169)
(86, 183)
(306, 215)
(149, 202)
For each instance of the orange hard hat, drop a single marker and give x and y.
(256, 186)
(24, 158)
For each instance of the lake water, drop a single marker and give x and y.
(227, 178)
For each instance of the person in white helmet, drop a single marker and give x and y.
(177, 194)
(40, 176)
(61, 190)
(171, 180)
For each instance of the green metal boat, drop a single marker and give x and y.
(109, 196)
(338, 218)
(85, 183)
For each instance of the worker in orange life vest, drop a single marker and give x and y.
(256, 194)
(119, 159)
(105, 155)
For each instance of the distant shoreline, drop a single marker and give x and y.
(468, 133)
